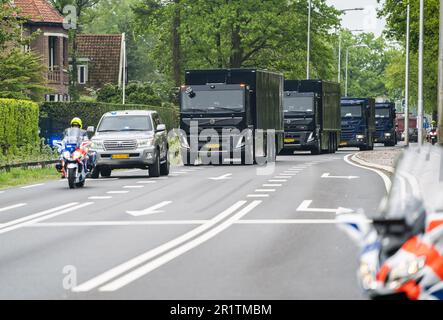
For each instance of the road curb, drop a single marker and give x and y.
(362, 162)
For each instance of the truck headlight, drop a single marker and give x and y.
(360, 136)
(145, 142)
(387, 134)
(311, 137)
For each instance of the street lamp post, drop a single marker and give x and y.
(347, 63)
(406, 126)
(339, 42)
(308, 55)
(420, 77)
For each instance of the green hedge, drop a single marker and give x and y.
(19, 125)
(56, 116)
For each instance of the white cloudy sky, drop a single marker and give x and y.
(366, 20)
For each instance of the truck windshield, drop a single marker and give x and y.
(382, 113)
(298, 104)
(125, 123)
(351, 111)
(214, 101)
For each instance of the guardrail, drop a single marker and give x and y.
(27, 165)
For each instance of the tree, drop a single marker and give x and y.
(395, 12)
(21, 73)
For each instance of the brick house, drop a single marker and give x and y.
(100, 60)
(51, 43)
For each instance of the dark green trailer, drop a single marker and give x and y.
(312, 116)
(243, 107)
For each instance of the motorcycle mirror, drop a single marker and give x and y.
(390, 226)
(91, 129)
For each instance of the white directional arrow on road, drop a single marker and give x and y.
(304, 207)
(328, 175)
(150, 210)
(223, 177)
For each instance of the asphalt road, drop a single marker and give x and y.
(205, 232)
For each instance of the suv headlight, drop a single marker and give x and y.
(387, 134)
(97, 145)
(145, 142)
(360, 136)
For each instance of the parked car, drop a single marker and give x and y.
(131, 139)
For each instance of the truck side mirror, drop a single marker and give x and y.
(161, 128)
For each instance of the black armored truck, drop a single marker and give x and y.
(231, 116)
(312, 116)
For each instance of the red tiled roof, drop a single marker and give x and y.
(38, 11)
(103, 52)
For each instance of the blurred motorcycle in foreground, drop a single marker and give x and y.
(402, 247)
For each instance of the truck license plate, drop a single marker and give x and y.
(289, 140)
(120, 156)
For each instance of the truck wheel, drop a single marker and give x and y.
(154, 169)
(164, 168)
(71, 178)
(105, 172)
(317, 148)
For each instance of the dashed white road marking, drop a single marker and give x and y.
(18, 205)
(283, 177)
(328, 175)
(158, 262)
(266, 185)
(278, 180)
(133, 187)
(258, 195)
(116, 223)
(33, 186)
(99, 197)
(147, 182)
(265, 190)
(126, 266)
(117, 192)
(223, 177)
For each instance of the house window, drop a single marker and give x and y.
(52, 97)
(82, 72)
(52, 52)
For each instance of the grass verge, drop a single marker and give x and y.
(18, 176)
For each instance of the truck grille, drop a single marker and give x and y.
(111, 145)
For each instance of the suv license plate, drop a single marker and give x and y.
(120, 156)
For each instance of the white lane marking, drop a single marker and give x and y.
(290, 173)
(18, 205)
(278, 180)
(117, 192)
(258, 195)
(98, 180)
(265, 190)
(144, 257)
(171, 255)
(133, 187)
(99, 197)
(283, 177)
(304, 207)
(116, 223)
(131, 171)
(270, 185)
(186, 170)
(48, 214)
(177, 173)
(146, 182)
(223, 177)
(150, 210)
(328, 175)
(33, 186)
(292, 221)
(385, 178)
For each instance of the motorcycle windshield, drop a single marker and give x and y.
(417, 186)
(73, 136)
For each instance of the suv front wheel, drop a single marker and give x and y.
(164, 167)
(154, 169)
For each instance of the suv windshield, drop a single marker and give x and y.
(125, 123)
(351, 111)
(214, 101)
(382, 112)
(298, 104)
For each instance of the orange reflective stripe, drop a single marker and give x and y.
(383, 273)
(434, 224)
(411, 288)
(434, 259)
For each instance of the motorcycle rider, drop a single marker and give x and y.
(78, 123)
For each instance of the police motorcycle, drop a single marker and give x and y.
(76, 159)
(402, 247)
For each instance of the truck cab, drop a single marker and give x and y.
(300, 110)
(385, 118)
(358, 123)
